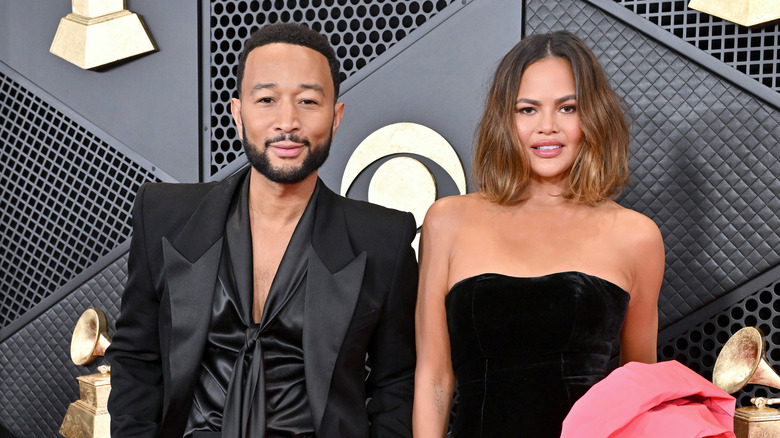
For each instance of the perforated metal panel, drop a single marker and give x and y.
(359, 31)
(65, 197)
(698, 348)
(752, 51)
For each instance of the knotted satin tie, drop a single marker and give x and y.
(244, 413)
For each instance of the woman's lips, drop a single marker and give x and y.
(547, 148)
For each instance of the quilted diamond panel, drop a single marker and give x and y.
(705, 162)
(37, 377)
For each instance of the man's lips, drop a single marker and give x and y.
(287, 149)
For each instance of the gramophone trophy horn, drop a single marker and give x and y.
(742, 361)
(90, 339)
(88, 417)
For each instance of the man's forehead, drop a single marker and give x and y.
(272, 49)
(299, 63)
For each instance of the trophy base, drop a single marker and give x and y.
(754, 422)
(88, 417)
(81, 421)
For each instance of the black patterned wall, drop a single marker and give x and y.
(65, 195)
(37, 378)
(705, 167)
(699, 344)
(704, 160)
(67, 189)
(752, 51)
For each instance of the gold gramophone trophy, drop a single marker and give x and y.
(741, 362)
(88, 417)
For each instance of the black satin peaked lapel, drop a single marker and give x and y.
(190, 292)
(334, 278)
(191, 263)
(330, 303)
(206, 225)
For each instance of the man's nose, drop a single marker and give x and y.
(288, 120)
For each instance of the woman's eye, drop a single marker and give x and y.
(526, 110)
(569, 109)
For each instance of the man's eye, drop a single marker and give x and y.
(265, 100)
(309, 102)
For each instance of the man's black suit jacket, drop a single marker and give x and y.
(360, 298)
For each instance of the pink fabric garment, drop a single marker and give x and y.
(665, 400)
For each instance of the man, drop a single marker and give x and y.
(252, 303)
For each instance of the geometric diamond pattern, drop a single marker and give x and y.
(704, 158)
(37, 377)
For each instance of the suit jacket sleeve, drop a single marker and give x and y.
(136, 398)
(392, 350)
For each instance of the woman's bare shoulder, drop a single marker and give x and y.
(639, 225)
(449, 216)
(453, 209)
(638, 236)
(631, 223)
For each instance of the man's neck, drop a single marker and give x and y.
(278, 205)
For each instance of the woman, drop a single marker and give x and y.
(525, 283)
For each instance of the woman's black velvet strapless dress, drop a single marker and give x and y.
(525, 349)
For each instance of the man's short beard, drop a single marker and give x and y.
(286, 175)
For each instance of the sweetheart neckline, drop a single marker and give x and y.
(477, 276)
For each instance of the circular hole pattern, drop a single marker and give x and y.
(698, 348)
(359, 31)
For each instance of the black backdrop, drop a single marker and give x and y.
(77, 144)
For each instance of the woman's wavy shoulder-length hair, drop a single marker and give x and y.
(500, 167)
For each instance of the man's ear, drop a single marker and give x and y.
(338, 114)
(235, 109)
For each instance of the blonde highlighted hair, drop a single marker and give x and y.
(500, 167)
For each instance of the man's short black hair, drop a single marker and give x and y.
(289, 33)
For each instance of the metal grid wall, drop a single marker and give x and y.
(359, 31)
(754, 52)
(65, 198)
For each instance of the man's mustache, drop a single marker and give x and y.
(287, 137)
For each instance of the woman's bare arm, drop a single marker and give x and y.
(639, 338)
(434, 381)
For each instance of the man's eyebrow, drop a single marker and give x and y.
(263, 86)
(313, 87)
(266, 85)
